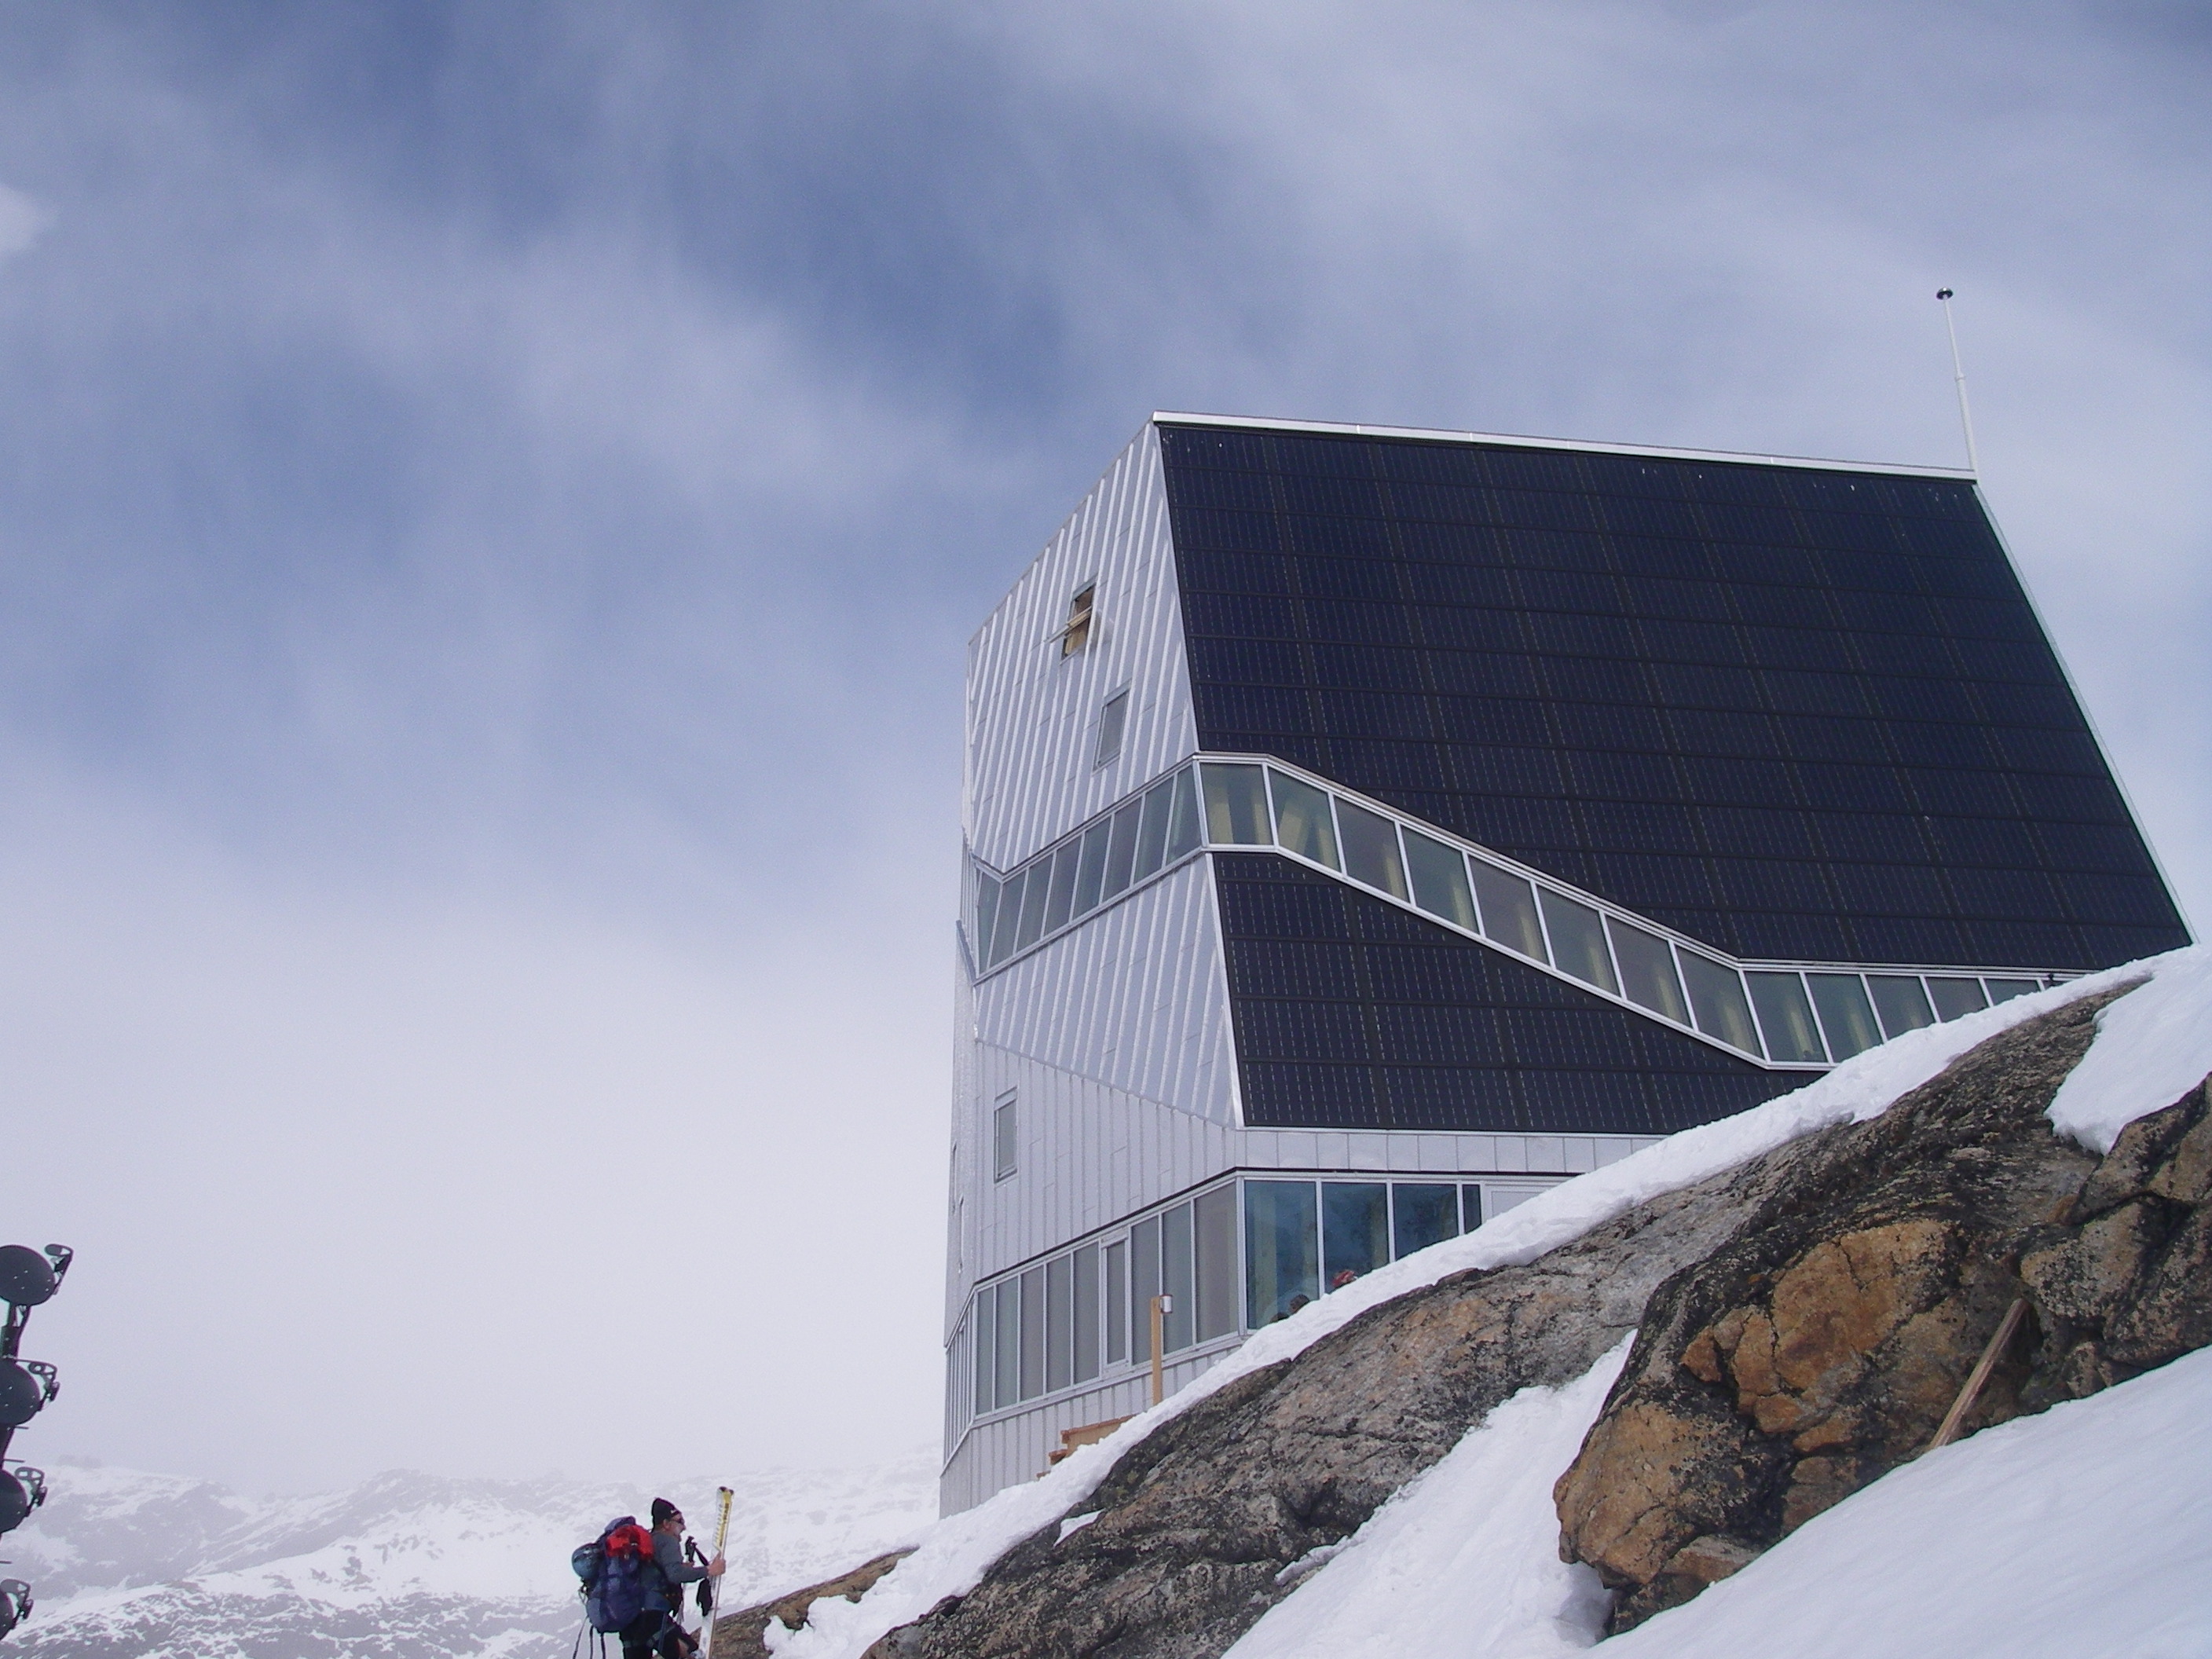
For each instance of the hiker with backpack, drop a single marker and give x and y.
(633, 1583)
(674, 1572)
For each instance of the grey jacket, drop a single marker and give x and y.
(675, 1571)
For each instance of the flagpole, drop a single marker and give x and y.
(1959, 378)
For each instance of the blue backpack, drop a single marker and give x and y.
(614, 1568)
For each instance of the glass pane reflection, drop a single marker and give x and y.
(1509, 910)
(1121, 849)
(1152, 830)
(1370, 849)
(1355, 1229)
(1900, 1002)
(1717, 999)
(1955, 998)
(1302, 820)
(1439, 875)
(1176, 1263)
(1786, 1018)
(1184, 830)
(1059, 896)
(1577, 940)
(1282, 1249)
(1845, 1014)
(1090, 872)
(1421, 1214)
(1236, 806)
(1647, 971)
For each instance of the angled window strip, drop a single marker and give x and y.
(1793, 1016)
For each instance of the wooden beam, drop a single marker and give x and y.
(1949, 1430)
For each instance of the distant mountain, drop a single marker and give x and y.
(127, 1565)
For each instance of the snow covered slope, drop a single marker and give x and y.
(1461, 1561)
(2085, 1531)
(1412, 1584)
(406, 1565)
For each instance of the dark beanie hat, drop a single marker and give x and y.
(663, 1511)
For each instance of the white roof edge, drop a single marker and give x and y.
(1825, 464)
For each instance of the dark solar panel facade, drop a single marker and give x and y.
(1352, 1012)
(1796, 713)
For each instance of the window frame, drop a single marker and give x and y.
(1005, 1137)
(1113, 708)
(1082, 618)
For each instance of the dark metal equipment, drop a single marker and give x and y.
(29, 1278)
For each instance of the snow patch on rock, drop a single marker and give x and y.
(2153, 1046)
(1464, 1560)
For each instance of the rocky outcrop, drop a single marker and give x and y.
(1198, 1525)
(2127, 1283)
(1803, 1322)
(743, 1635)
(1824, 1344)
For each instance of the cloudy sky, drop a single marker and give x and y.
(493, 498)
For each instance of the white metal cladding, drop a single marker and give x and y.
(1136, 998)
(1091, 1158)
(990, 1456)
(967, 1145)
(1404, 1151)
(1031, 710)
(1087, 1153)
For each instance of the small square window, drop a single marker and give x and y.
(1002, 1132)
(1077, 634)
(1112, 720)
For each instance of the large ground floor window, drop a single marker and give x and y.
(1237, 1255)
(1301, 1237)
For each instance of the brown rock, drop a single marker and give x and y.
(1816, 1483)
(1824, 1342)
(2138, 1153)
(2083, 1370)
(1711, 1558)
(2082, 1277)
(2186, 1174)
(1702, 1358)
(743, 1635)
(2169, 1313)
(1621, 1495)
(1839, 1302)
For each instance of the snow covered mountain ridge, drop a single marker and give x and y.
(406, 1565)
